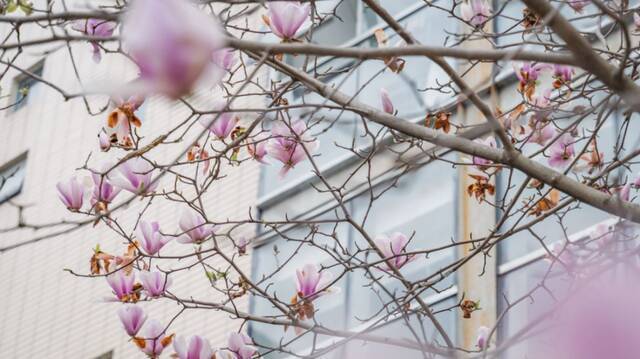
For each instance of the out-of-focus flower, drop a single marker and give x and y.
(578, 5)
(528, 75)
(104, 142)
(257, 148)
(172, 41)
(197, 153)
(475, 12)
(242, 246)
(225, 58)
(150, 237)
(562, 151)
(394, 63)
(590, 161)
(241, 345)
(392, 247)
(564, 254)
(285, 18)
(122, 117)
(541, 132)
(385, 100)
(482, 337)
(636, 21)
(71, 193)
(311, 283)
(198, 348)
(194, 227)
(122, 284)
(154, 283)
(624, 192)
(602, 235)
(154, 340)
(480, 162)
(221, 124)
(562, 74)
(286, 144)
(135, 175)
(96, 28)
(132, 318)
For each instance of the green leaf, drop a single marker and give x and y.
(12, 6)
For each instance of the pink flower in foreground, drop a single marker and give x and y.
(194, 227)
(154, 283)
(172, 42)
(220, 124)
(563, 74)
(392, 247)
(240, 345)
(385, 100)
(198, 348)
(480, 162)
(154, 340)
(287, 144)
(482, 337)
(475, 12)
(122, 284)
(311, 283)
(225, 58)
(104, 141)
(150, 237)
(527, 72)
(132, 318)
(71, 193)
(286, 17)
(257, 148)
(96, 28)
(135, 175)
(562, 151)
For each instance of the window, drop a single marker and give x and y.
(12, 178)
(24, 84)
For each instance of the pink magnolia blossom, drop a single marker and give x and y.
(563, 73)
(258, 148)
(392, 247)
(154, 339)
(198, 348)
(225, 58)
(221, 124)
(150, 237)
(636, 182)
(96, 28)
(155, 283)
(240, 345)
(624, 192)
(71, 193)
(385, 100)
(482, 337)
(475, 12)
(121, 283)
(135, 175)
(287, 144)
(541, 133)
(104, 141)
(286, 17)
(562, 151)
(242, 246)
(103, 190)
(172, 42)
(132, 318)
(527, 72)
(311, 283)
(194, 227)
(480, 162)
(578, 5)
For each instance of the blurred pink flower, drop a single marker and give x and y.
(311, 283)
(198, 348)
(482, 337)
(240, 345)
(541, 133)
(71, 193)
(385, 100)
(132, 318)
(562, 151)
(172, 42)
(154, 339)
(286, 17)
(135, 175)
(150, 237)
(603, 235)
(194, 227)
(636, 20)
(257, 148)
(104, 141)
(220, 124)
(286, 145)
(96, 28)
(154, 283)
(529, 73)
(475, 12)
(392, 247)
(563, 73)
(480, 162)
(121, 283)
(225, 58)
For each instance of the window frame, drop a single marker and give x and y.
(8, 166)
(16, 98)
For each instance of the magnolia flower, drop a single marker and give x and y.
(198, 348)
(172, 42)
(122, 117)
(132, 318)
(624, 192)
(154, 283)
(475, 12)
(225, 58)
(122, 284)
(194, 227)
(392, 247)
(311, 283)
(242, 246)
(154, 340)
(240, 345)
(541, 132)
(562, 151)
(221, 124)
(150, 237)
(385, 100)
(578, 5)
(104, 142)
(480, 162)
(527, 75)
(285, 18)
(71, 193)
(96, 28)
(135, 175)
(482, 337)
(563, 74)
(258, 148)
(103, 191)
(287, 144)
